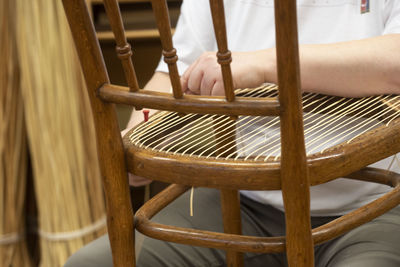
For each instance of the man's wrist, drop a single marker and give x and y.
(269, 65)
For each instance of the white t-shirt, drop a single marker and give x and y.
(250, 26)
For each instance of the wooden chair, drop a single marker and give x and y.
(293, 171)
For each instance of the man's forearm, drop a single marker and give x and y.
(356, 68)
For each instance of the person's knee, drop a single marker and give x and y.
(372, 257)
(370, 245)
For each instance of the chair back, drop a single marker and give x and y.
(103, 94)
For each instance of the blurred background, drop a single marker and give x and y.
(51, 200)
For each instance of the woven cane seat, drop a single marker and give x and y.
(331, 124)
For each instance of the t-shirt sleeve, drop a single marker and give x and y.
(193, 35)
(392, 17)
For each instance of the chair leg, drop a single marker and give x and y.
(230, 203)
(299, 242)
(111, 154)
(120, 221)
(120, 226)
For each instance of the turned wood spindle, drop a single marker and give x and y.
(123, 49)
(160, 10)
(223, 54)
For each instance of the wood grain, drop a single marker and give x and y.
(160, 10)
(254, 244)
(111, 154)
(124, 50)
(294, 169)
(293, 172)
(224, 55)
(190, 103)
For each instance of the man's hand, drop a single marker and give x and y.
(204, 76)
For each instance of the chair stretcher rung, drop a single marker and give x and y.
(193, 104)
(276, 244)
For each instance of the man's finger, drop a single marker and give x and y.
(218, 88)
(186, 75)
(195, 79)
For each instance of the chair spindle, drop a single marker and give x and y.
(124, 50)
(294, 169)
(224, 55)
(160, 10)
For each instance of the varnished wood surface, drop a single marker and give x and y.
(367, 212)
(160, 10)
(124, 50)
(111, 154)
(223, 55)
(338, 161)
(230, 206)
(293, 172)
(267, 244)
(294, 169)
(193, 236)
(189, 103)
